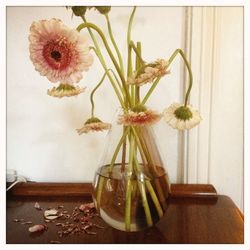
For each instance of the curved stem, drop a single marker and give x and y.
(102, 61)
(111, 70)
(176, 52)
(93, 92)
(190, 76)
(114, 43)
(179, 51)
(93, 26)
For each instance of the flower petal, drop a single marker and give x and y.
(57, 52)
(177, 123)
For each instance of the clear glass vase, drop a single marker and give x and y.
(131, 185)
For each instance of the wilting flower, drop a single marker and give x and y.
(93, 124)
(57, 52)
(180, 117)
(65, 89)
(149, 72)
(139, 116)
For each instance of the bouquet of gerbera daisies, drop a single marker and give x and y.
(63, 54)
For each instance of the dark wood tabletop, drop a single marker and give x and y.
(196, 214)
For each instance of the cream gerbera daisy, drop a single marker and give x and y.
(138, 116)
(93, 124)
(65, 89)
(149, 72)
(57, 52)
(180, 117)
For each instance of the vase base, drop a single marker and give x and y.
(120, 225)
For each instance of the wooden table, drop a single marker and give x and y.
(196, 214)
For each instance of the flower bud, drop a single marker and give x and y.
(103, 9)
(79, 10)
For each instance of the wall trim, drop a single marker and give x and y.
(200, 47)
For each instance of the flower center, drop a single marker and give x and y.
(65, 87)
(92, 120)
(183, 113)
(58, 53)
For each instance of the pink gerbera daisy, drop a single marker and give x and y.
(138, 116)
(57, 52)
(93, 124)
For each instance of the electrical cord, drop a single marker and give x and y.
(19, 179)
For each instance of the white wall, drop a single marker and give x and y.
(43, 144)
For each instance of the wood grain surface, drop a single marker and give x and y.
(195, 215)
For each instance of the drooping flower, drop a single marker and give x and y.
(149, 72)
(180, 117)
(93, 124)
(58, 52)
(138, 116)
(65, 89)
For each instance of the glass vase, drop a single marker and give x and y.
(131, 185)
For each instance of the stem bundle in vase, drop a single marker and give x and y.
(62, 55)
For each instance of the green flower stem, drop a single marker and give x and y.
(137, 88)
(145, 203)
(101, 179)
(179, 51)
(141, 186)
(152, 163)
(152, 166)
(129, 70)
(157, 183)
(138, 65)
(102, 61)
(99, 191)
(124, 145)
(130, 66)
(114, 43)
(137, 52)
(150, 91)
(93, 92)
(128, 187)
(123, 138)
(154, 198)
(112, 71)
(93, 26)
(142, 146)
(118, 83)
(172, 57)
(128, 206)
